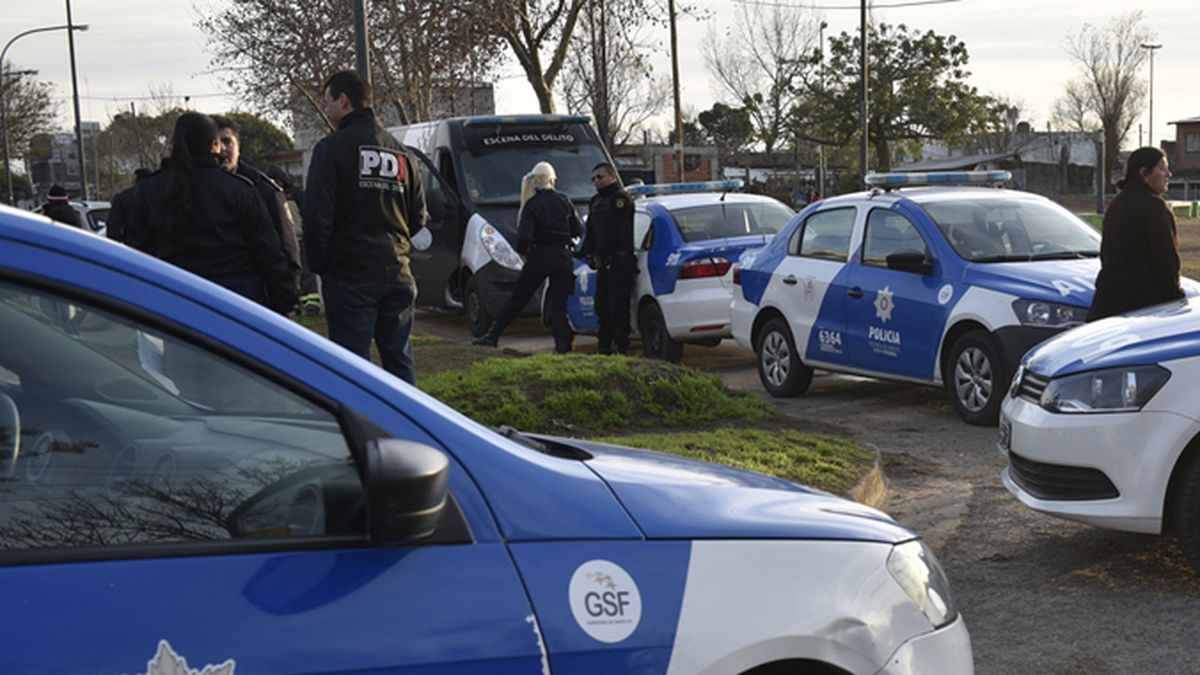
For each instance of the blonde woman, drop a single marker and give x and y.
(547, 224)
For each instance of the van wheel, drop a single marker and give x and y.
(780, 369)
(1185, 512)
(656, 341)
(478, 318)
(976, 379)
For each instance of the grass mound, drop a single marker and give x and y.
(586, 395)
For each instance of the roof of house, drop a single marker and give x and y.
(1190, 120)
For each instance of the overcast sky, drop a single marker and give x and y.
(1016, 49)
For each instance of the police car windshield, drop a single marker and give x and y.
(493, 176)
(1004, 230)
(725, 219)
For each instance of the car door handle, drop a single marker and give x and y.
(789, 280)
(855, 292)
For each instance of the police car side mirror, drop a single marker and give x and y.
(407, 487)
(910, 261)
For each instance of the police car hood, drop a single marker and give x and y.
(1152, 335)
(671, 497)
(1066, 281)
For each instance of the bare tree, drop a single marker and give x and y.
(538, 32)
(608, 74)
(1108, 89)
(760, 61)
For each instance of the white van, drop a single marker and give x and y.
(473, 192)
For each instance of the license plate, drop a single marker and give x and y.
(1005, 440)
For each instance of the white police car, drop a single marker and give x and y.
(1102, 424)
(94, 215)
(926, 284)
(687, 237)
(190, 483)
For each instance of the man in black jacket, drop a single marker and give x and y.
(272, 194)
(608, 248)
(58, 208)
(363, 202)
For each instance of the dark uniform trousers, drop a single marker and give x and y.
(544, 262)
(614, 288)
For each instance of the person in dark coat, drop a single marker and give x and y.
(363, 202)
(58, 208)
(122, 207)
(608, 249)
(210, 222)
(547, 225)
(1139, 252)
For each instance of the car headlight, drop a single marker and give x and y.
(499, 249)
(1124, 389)
(1048, 314)
(918, 572)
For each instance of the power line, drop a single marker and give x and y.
(119, 98)
(790, 5)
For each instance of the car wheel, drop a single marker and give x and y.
(656, 341)
(976, 378)
(780, 369)
(478, 318)
(1185, 512)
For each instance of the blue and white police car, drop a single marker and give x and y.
(1102, 424)
(687, 237)
(189, 483)
(932, 284)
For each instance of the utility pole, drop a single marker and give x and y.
(675, 77)
(1152, 47)
(83, 183)
(862, 154)
(362, 48)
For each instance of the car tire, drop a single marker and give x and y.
(657, 343)
(780, 369)
(478, 317)
(1185, 511)
(976, 378)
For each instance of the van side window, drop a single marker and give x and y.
(826, 234)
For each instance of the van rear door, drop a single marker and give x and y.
(436, 265)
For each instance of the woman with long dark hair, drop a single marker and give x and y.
(211, 222)
(1139, 252)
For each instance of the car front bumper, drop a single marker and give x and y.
(945, 650)
(1057, 463)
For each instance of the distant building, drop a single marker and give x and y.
(659, 163)
(61, 164)
(1183, 154)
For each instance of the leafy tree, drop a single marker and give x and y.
(22, 187)
(1108, 92)
(761, 62)
(281, 52)
(918, 91)
(259, 139)
(730, 129)
(29, 108)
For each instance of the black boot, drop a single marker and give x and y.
(491, 338)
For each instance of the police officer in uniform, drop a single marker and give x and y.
(363, 202)
(608, 249)
(547, 224)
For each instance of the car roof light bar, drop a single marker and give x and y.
(678, 188)
(505, 120)
(889, 181)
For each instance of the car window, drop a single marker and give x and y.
(889, 232)
(993, 229)
(97, 219)
(722, 219)
(641, 230)
(127, 435)
(826, 234)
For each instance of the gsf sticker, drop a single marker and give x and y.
(605, 601)
(945, 294)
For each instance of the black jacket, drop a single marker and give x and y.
(610, 225)
(547, 219)
(63, 213)
(1139, 254)
(363, 201)
(120, 212)
(274, 198)
(228, 231)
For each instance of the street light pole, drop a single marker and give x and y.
(1152, 47)
(3, 93)
(83, 186)
(862, 106)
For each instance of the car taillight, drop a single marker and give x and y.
(737, 274)
(698, 268)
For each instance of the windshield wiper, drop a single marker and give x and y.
(1063, 255)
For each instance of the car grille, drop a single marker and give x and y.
(1032, 386)
(1060, 482)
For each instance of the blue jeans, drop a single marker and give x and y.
(357, 311)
